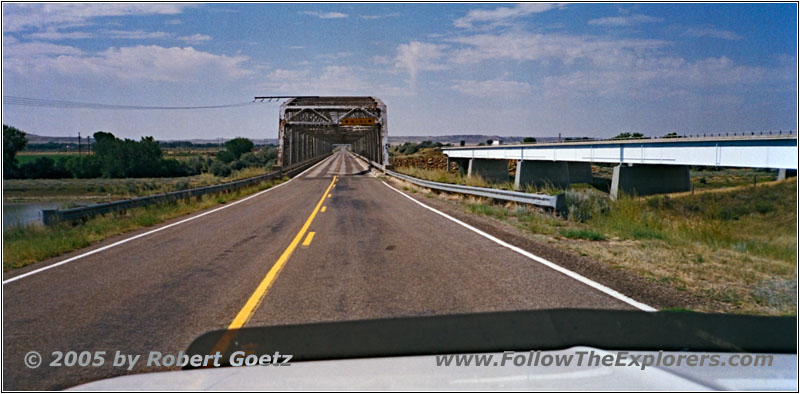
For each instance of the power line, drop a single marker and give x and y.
(35, 102)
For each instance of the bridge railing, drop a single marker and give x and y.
(567, 140)
(52, 216)
(555, 202)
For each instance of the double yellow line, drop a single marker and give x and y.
(255, 299)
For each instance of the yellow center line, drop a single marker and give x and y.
(323, 209)
(329, 195)
(309, 237)
(258, 295)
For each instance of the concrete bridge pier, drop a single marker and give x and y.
(648, 179)
(784, 173)
(557, 173)
(580, 172)
(541, 173)
(491, 170)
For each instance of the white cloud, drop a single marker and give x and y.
(712, 33)
(379, 16)
(17, 17)
(173, 22)
(15, 50)
(137, 63)
(499, 87)
(502, 14)
(195, 38)
(284, 74)
(545, 48)
(325, 15)
(57, 35)
(330, 80)
(335, 56)
(658, 77)
(627, 20)
(136, 34)
(419, 56)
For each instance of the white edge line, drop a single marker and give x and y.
(571, 274)
(98, 250)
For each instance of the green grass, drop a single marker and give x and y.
(582, 233)
(488, 209)
(104, 189)
(23, 158)
(25, 245)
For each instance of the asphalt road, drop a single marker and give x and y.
(374, 254)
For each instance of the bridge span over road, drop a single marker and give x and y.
(647, 166)
(310, 125)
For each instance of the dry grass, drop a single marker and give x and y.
(104, 189)
(24, 245)
(736, 249)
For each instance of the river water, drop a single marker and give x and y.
(16, 214)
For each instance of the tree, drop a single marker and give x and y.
(225, 156)
(489, 142)
(529, 140)
(462, 143)
(14, 140)
(239, 146)
(85, 166)
(624, 136)
(130, 159)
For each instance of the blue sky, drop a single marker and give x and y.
(510, 69)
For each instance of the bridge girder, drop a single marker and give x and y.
(310, 126)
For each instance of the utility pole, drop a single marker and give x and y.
(89, 144)
(79, 143)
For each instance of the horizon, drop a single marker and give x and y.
(510, 70)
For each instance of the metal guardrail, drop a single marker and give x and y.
(557, 202)
(52, 216)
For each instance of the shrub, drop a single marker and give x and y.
(582, 206)
(220, 169)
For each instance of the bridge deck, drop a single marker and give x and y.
(755, 152)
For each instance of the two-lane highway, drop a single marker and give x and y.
(335, 243)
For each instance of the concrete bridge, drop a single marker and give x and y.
(310, 126)
(647, 166)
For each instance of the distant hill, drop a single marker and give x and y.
(43, 139)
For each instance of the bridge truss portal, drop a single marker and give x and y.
(310, 126)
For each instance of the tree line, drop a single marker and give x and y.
(127, 158)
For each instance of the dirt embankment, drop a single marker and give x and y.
(435, 160)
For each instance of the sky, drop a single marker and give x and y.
(531, 69)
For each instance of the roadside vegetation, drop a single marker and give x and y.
(125, 158)
(95, 190)
(24, 245)
(735, 248)
(116, 169)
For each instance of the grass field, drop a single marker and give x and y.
(103, 189)
(737, 249)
